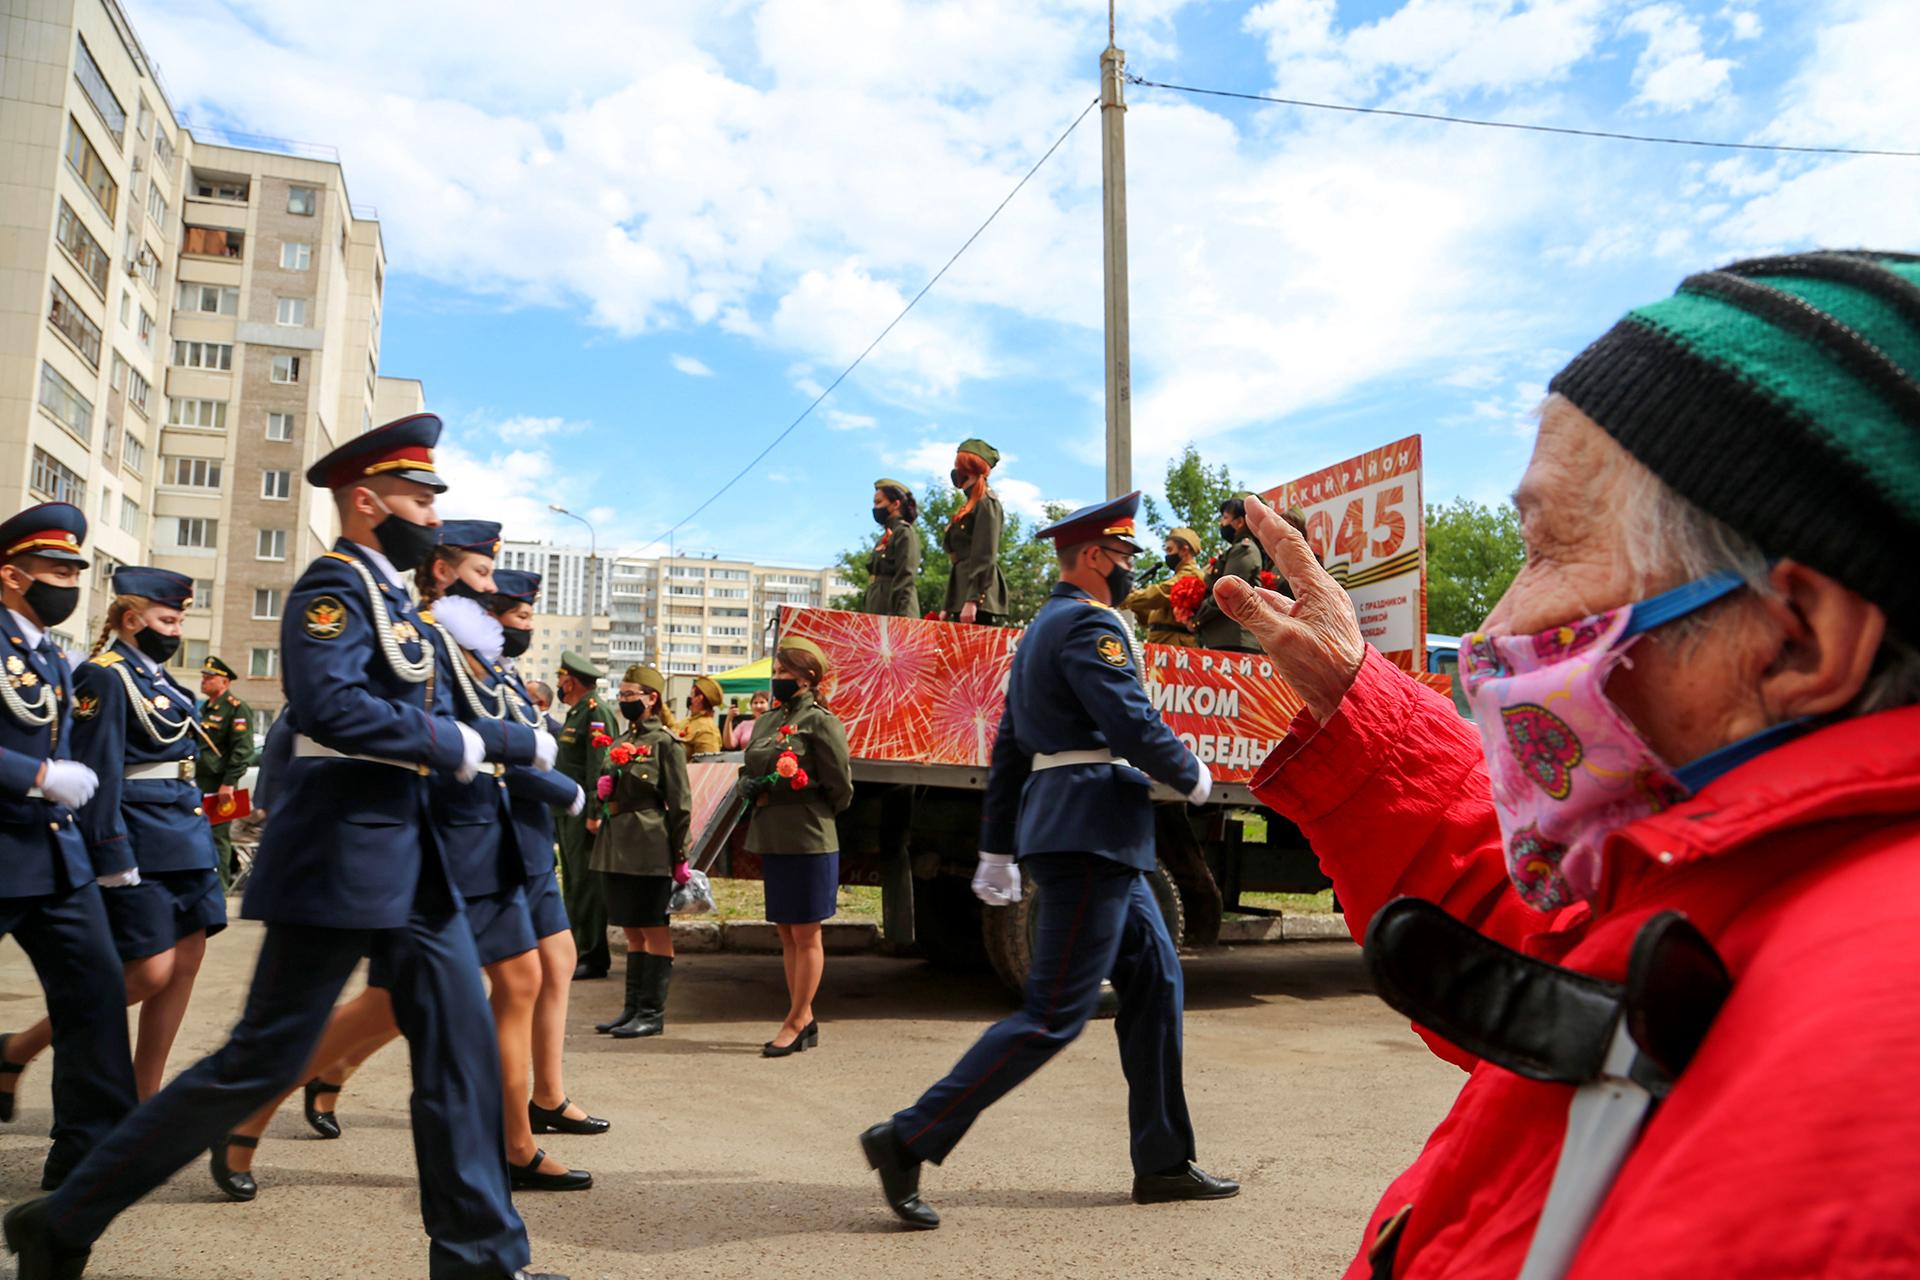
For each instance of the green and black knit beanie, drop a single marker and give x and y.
(1781, 396)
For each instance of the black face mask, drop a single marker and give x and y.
(406, 544)
(785, 689)
(634, 709)
(960, 479)
(1119, 584)
(156, 646)
(52, 605)
(882, 517)
(515, 640)
(1230, 534)
(459, 587)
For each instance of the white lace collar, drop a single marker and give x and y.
(471, 626)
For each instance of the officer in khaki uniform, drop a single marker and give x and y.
(701, 733)
(220, 766)
(587, 716)
(892, 569)
(1154, 605)
(1243, 558)
(976, 587)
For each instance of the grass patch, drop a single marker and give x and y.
(1294, 904)
(744, 900)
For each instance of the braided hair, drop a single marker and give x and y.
(117, 613)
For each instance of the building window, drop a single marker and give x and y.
(303, 200)
(145, 119)
(191, 473)
(196, 531)
(203, 355)
(156, 206)
(134, 454)
(144, 330)
(295, 255)
(263, 664)
(192, 654)
(132, 519)
(147, 263)
(266, 602)
(137, 389)
(64, 403)
(81, 248)
(209, 299)
(290, 311)
(55, 481)
(286, 369)
(276, 484)
(208, 187)
(73, 324)
(280, 426)
(163, 149)
(87, 72)
(214, 242)
(270, 544)
(91, 169)
(203, 591)
(210, 415)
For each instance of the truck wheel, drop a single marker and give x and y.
(944, 909)
(1008, 931)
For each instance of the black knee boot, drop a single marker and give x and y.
(650, 1016)
(636, 969)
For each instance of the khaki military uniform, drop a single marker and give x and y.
(1216, 629)
(583, 762)
(650, 811)
(787, 821)
(973, 544)
(229, 724)
(1154, 607)
(891, 572)
(700, 736)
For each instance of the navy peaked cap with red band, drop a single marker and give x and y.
(516, 585)
(479, 536)
(1113, 519)
(403, 448)
(162, 586)
(52, 529)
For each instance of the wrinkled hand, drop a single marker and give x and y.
(604, 787)
(68, 782)
(996, 881)
(546, 749)
(1312, 637)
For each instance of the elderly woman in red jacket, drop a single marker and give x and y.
(1699, 695)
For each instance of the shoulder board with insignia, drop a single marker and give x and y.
(426, 615)
(336, 555)
(105, 659)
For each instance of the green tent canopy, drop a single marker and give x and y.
(744, 682)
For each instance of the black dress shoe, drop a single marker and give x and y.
(899, 1176)
(31, 1240)
(527, 1177)
(52, 1177)
(556, 1120)
(1190, 1183)
(807, 1039)
(8, 1069)
(585, 972)
(324, 1123)
(236, 1184)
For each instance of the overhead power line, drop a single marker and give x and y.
(807, 412)
(1523, 128)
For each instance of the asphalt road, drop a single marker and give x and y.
(720, 1163)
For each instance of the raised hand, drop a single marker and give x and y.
(1312, 636)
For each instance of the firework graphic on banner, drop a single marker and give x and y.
(973, 693)
(881, 672)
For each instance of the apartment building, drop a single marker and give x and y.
(681, 614)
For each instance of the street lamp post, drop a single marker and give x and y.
(593, 565)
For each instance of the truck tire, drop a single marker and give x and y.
(1008, 931)
(944, 927)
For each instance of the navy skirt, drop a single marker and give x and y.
(149, 917)
(548, 909)
(801, 888)
(502, 926)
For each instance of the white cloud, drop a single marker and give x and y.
(513, 486)
(525, 429)
(689, 365)
(840, 420)
(1742, 24)
(1673, 73)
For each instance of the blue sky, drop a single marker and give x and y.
(626, 249)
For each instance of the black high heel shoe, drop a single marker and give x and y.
(556, 1120)
(809, 1038)
(237, 1184)
(8, 1069)
(324, 1123)
(527, 1177)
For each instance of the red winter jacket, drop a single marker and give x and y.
(1791, 1145)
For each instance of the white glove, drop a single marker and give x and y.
(1200, 793)
(119, 879)
(68, 782)
(996, 881)
(546, 749)
(476, 755)
(579, 801)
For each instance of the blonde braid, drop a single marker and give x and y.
(117, 612)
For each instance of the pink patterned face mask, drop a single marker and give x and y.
(1568, 768)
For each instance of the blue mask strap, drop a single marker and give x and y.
(1696, 774)
(1689, 597)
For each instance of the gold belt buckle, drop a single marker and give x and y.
(186, 770)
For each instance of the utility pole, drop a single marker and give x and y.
(1113, 174)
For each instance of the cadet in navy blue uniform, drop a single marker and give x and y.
(1078, 744)
(48, 899)
(151, 847)
(348, 866)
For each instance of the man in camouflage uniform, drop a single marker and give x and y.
(218, 769)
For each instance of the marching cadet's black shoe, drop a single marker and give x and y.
(899, 1176)
(31, 1240)
(236, 1184)
(1188, 1183)
(527, 1177)
(556, 1120)
(324, 1123)
(8, 1069)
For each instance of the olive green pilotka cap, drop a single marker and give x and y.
(1781, 396)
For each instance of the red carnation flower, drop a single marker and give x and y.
(1185, 596)
(799, 780)
(623, 753)
(787, 731)
(601, 741)
(1268, 581)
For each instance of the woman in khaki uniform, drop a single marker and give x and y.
(648, 808)
(1154, 605)
(701, 733)
(976, 588)
(794, 803)
(895, 563)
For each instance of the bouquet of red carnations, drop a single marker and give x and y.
(1185, 596)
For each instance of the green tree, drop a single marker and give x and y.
(1473, 551)
(1194, 493)
(1028, 564)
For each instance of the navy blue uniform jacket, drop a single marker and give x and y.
(348, 842)
(473, 817)
(153, 823)
(535, 793)
(41, 849)
(1074, 687)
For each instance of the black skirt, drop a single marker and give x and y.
(636, 902)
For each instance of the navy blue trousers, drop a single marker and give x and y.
(441, 1007)
(67, 938)
(1098, 919)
